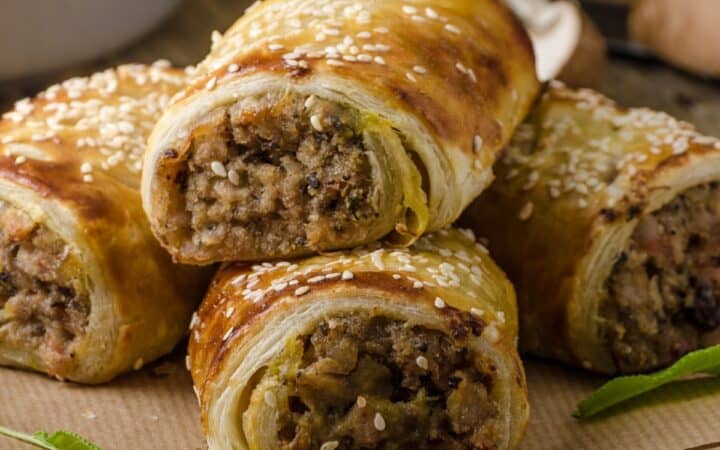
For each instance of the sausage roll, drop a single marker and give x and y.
(608, 221)
(317, 125)
(85, 290)
(372, 348)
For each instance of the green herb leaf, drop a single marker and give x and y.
(705, 361)
(59, 440)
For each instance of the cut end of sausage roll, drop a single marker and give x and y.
(363, 381)
(313, 127)
(44, 304)
(374, 348)
(663, 297)
(277, 175)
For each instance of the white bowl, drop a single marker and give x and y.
(40, 35)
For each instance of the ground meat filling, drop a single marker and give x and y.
(664, 293)
(277, 174)
(41, 308)
(373, 382)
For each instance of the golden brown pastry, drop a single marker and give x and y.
(85, 290)
(316, 125)
(372, 348)
(608, 222)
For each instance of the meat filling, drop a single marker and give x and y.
(664, 293)
(42, 307)
(372, 382)
(276, 174)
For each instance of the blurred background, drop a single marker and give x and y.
(663, 54)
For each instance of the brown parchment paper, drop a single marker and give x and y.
(155, 409)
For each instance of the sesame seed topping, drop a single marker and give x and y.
(452, 28)
(218, 169)
(347, 275)
(227, 334)
(138, 364)
(365, 58)
(334, 62)
(526, 211)
(477, 143)
(187, 362)
(439, 303)
(431, 13)
(418, 285)
(229, 312)
(330, 445)
(381, 30)
(491, 333)
(396, 276)
(379, 60)
(477, 312)
(422, 362)
(411, 77)
(364, 35)
(407, 9)
(270, 399)
(420, 69)
(376, 258)
(316, 279)
(86, 167)
(20, 160)
(232, 68)
(379, 422)
(302, 290)
(211, 83)
(316, 122)
(87, 178)
(276, 47)
(361, 402)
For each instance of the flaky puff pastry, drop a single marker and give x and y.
(576, 180)
(251, 319)
(82, 250)
(436, 88)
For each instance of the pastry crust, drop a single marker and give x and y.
(70, 162)
(444, 282)
(438, 86)
(575, 182)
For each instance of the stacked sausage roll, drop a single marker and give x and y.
(607, 220)
(316, 125)
(85, 290)
(372, 348)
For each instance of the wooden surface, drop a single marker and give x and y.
(149, 411)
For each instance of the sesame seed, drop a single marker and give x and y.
(232, 68)
(229, 312)
(526, 211)
(411, 77)
(380, 60)
(396, 276)
(347, 275)
(316, 122)
(382, 30)
(431, 13)
(86, 167)
(291, 56)
(420, 70)
(234, 177)
(330, 445)
(418, 285)
(320, 37)
(452, 28)
(138, 364)
(379, 422)
(187, 362)
(218, 169)
(349, 58)
(361, 402)
(20, 159)
(211, 83)
(316, 279)
(364, 58)
(477, 312)
(302, 290)
(270, 399)
(376, 258)
(439, 303)
(461, 67)
(491, 333)
(227, 334)
(334, 62)
(87, 178)
(364, 35)
(276, 47)
(477, 143)
(422, 362)
(407, 9)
